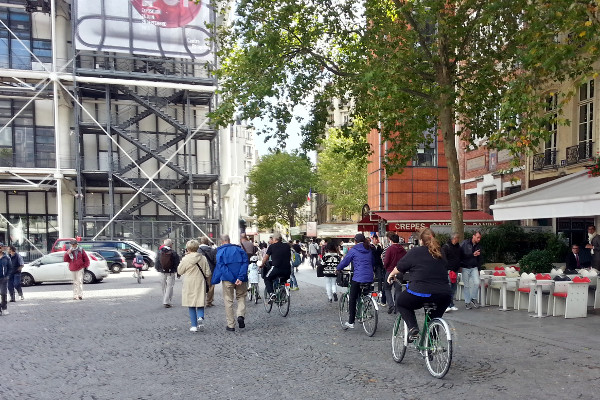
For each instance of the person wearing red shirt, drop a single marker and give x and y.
(393, 254)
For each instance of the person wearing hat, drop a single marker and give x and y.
(5, 269)
(78, 260)
(362, 258)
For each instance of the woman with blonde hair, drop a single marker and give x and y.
(196, 274)
(428, 281)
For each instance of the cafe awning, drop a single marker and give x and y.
(410, 221)
(574, 195)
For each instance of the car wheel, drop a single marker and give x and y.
(88, 277)
(27, 280)
(147, 265)
(115, 268)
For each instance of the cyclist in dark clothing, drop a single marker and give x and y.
(428, 281)
(280, 266)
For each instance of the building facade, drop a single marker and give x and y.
(103, 127)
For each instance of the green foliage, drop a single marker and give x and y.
(342, 178)
(279, 183)
(408, 69)
(508, 243)
(538, 261)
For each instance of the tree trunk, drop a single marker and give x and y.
(446, 117)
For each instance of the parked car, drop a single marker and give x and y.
(61, 244)
(114, 259)
(52, 268)
(127, 248)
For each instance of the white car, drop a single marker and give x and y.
(52, 268)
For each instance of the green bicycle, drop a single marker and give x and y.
(366, 307)
(281, 292)
(434, 342)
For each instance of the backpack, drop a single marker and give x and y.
(166, 260)
(139, 259)
(296, 259)
(210, 258)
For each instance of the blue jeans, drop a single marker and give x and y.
(195, 313)
(14, 282)
(470, 277)
(294, 282)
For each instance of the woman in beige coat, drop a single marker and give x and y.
(193, 294)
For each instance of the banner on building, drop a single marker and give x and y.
(164, 28)
(311, 229)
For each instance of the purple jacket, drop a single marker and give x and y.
(362, 260)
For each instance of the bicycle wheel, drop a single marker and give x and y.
(268, 306)
(255, 290)
(344, 310)
(438, 348)
(139, 277)
(369, 315)
(399, 335)
(250, 293)
(284, 300)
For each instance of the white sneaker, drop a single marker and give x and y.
(200, 322)
(348, 325)
(448, 309)
(5, 312)
(193, 329)
(454, 308)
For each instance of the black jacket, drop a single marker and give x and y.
(428, 275)
(174, 257)
(571, 261)
(467, 259)
(452, 254)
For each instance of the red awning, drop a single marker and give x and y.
(409, 221)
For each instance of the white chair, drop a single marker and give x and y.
(460, 288)
(495, 287)
(523, 295)
(570, 298)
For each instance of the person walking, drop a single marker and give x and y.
(451, 252)
(5, 267)
(361, 257)
(14, 278)
(331, 260)
(379, 269)
(232, 270)
(313, 252)
(293, 280)
(167, 261)
(195, 271)
(78, 260)
(393, 255)
(210, 253)
(470, 261)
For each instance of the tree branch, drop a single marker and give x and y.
(415, 26)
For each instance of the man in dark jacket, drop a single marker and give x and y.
(14, 279)
(5, 268)
(470, 260)
(167, 261)
(232, 270)
(279, 267)
(451, 252)
(211, 257)
(393, 254)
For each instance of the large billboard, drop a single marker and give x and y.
(165, 28)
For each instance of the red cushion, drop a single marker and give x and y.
(579, 279)
(560, 294)
(499, 268)
(524, 289)
(499, 273)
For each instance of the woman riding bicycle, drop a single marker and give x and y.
(361, 258)
(428, 281)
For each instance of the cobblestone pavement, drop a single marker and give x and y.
(120, 343)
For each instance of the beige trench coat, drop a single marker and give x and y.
(194, 289)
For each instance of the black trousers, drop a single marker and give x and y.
(352, 298)
(273, 275)
(407, 303)
(313, 260)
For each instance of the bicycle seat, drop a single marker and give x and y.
(429, 307)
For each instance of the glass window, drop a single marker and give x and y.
(24, 147)
(42, 49)
(6, 136)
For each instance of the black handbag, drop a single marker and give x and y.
(320, 268)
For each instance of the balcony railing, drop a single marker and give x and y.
(580, 152)
(547, 159)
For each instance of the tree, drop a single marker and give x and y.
(343, 181)
(409, 67)
(279, 183)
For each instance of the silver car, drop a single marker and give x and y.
(52, 268)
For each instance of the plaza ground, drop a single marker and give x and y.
(121, 343)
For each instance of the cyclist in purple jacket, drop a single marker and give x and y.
(362, 259)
